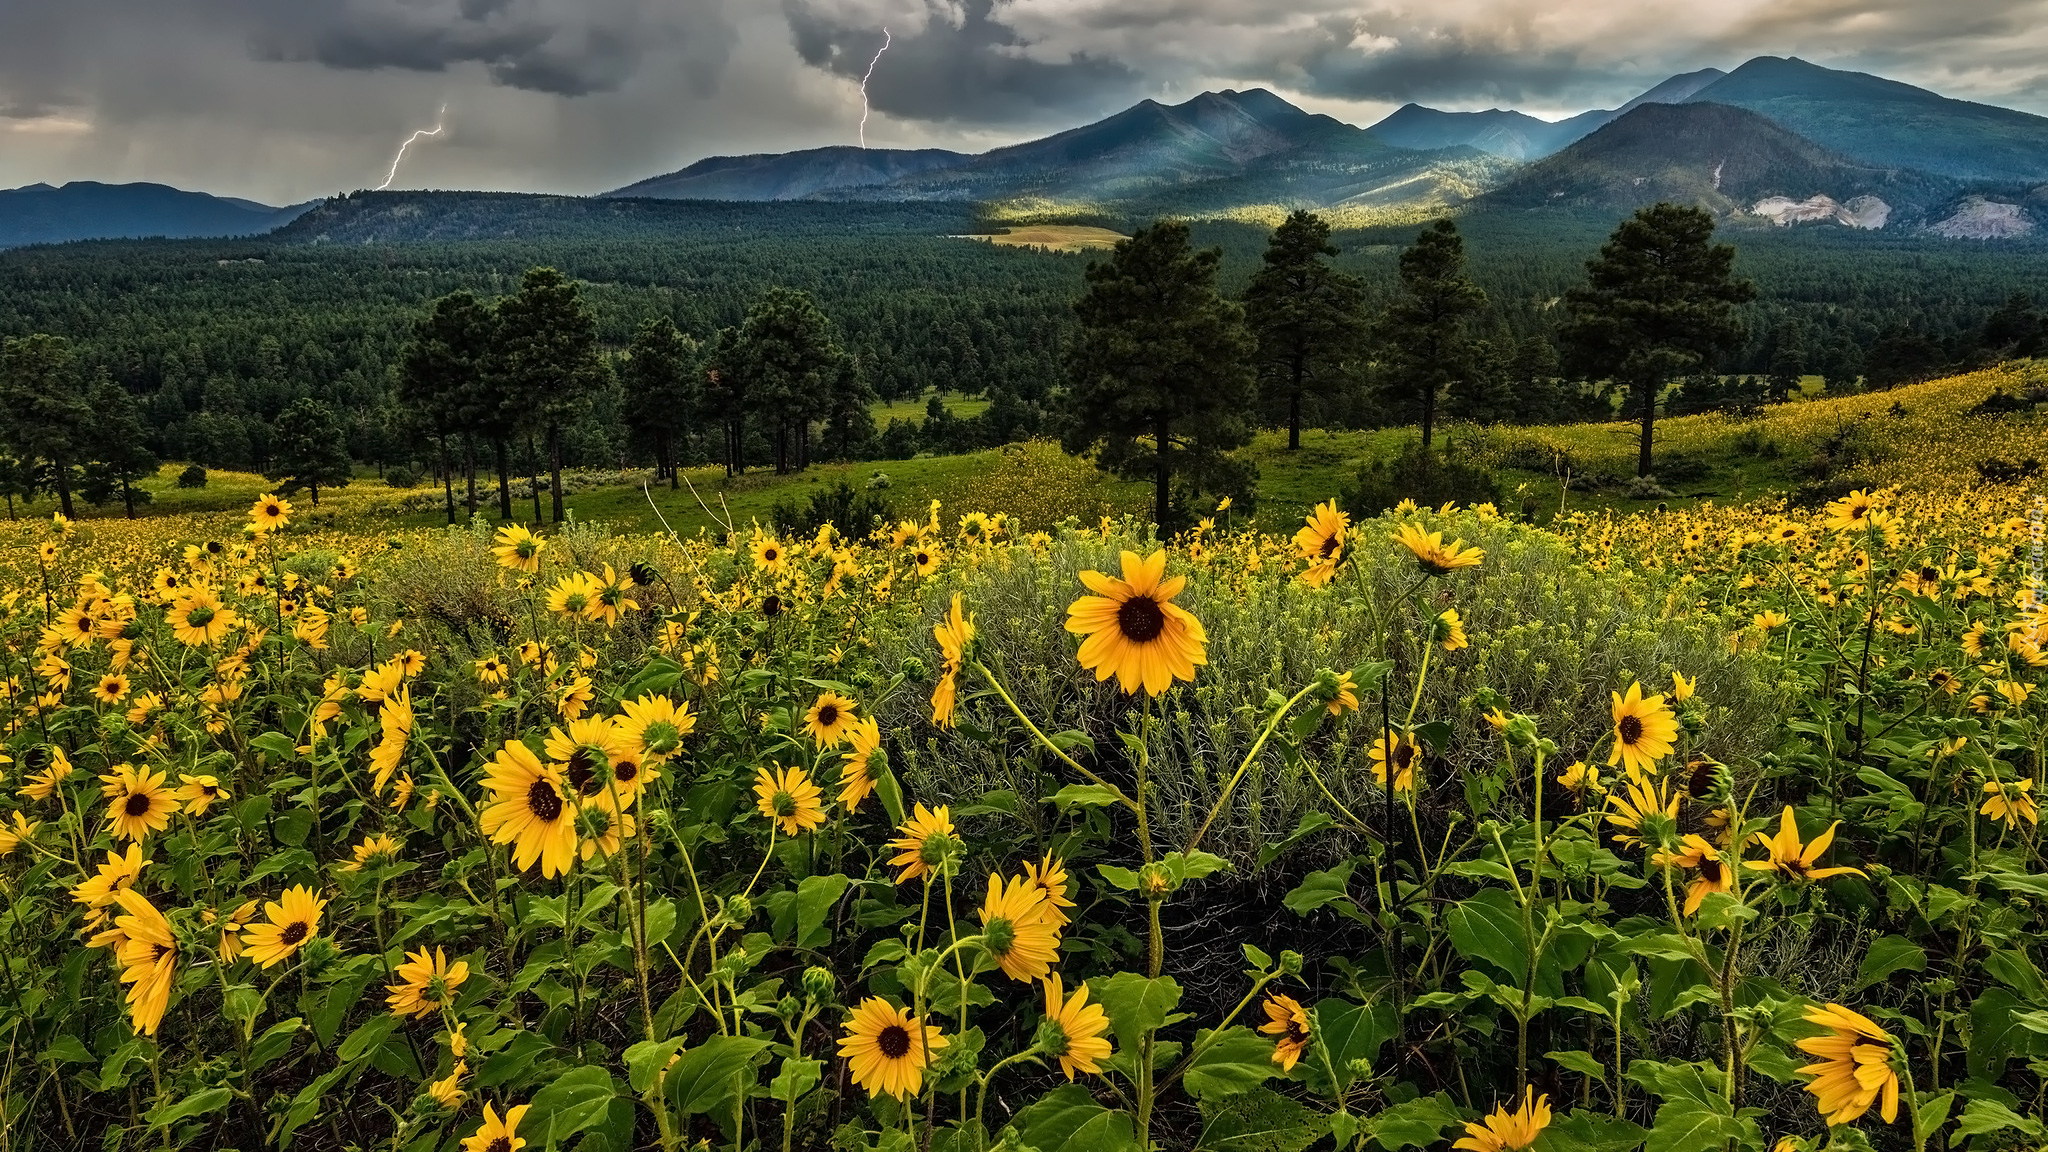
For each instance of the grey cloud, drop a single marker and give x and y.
(962, 66)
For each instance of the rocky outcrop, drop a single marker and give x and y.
(1981, 219)
(1859, 212)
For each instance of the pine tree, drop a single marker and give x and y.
(44, 407)
(786, 359)
(663, 390)
(1306, 315)
(1659, 302)
(116, 447)
(442, 373)
(549, 361)
(307, 449)
(1425, 329)
(1161, 374)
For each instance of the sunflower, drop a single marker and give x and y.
(925, 559)
(586, 754)
(2011, 802)
(856, 772)
(138, 803)
(888, 1048)
(922, 843)
(447, 1091)
(830, 718)
(1049, 876)
(119, 873)
(270, 512)
(1287, 1023)
(572, 594)
(198, 793)
(1345, 697)
(1580, 779)
(198, 619)
(492, 670)
(601, 828)
(1643, 730)
(497, 1134)
(1506, 1131)
(1133, 628)
(1649, 808)
(954, 635)
(1320, 540)
(769, 555)
(1851, 511)
(529, 809)
(1789, 858)
(1015, 930)
(612, 597)
(148, 959)
(1855, 1066)
(394, 722)
(653, 727)
(518, 549)
(11, 838)
(378, 849)
(1711, 872)
(1682, 688)
(1073, 1029)
(788, 799)
(1402, 750)
(1436, 557)
(425, 983)
(293, 919)
(1450, 629)
(75, 628)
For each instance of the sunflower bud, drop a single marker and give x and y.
(786, 1009)
(738, 910)
(1520, 731)
(1290, 962)
(1154, 881)
(914, 670)
(1709, 781)
(643, 573)
(820, 984)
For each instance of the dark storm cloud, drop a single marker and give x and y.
(959, 66)
(566, 47)
(1452, 68)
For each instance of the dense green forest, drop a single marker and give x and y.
(216, 338)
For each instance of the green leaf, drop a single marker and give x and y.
(1983, 1116)
(1237, 1061)
(1311, 822)
(1185, 866)
(2014, 969)
(1931, 1115)
(200, 1103)
(1889, 954)
(1488, 926)
(645, 1060)
(277, 744)
(1582, 1063)
(1068, 1119)
(1687, 1125)
(1081, 796)
(275, 1042)
(1122, 878)
(815, 896)
(577, 1100)
(1584, 1131)
(1135, 1005)
(1320, 888)
(1997, 1035)
(1350, 1032)
(65, 1049)
(369, 1037)
(705, 1079)
(1418, 1123)
(891, 794)
(798, 1075)
(1259, 1120)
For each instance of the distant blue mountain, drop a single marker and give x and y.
(1518, 135)
(88, 210)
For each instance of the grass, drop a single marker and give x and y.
(913, 410)
(1054, 237)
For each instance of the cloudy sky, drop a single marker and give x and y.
(284, 100)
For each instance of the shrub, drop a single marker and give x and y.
(854, 513)
(194, 476)
(1419, 474)
(402, 476)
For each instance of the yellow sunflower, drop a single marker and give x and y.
(425, 983)
(1643, 730)
(1435, 557)
(1402, 750)
(111, 689)
(394, 722)
(1075, 1028)
(1793, 860)
(888, 1048)
(856, 772)
(1646, 803)
(1855, 1067)
(1133, 629)
(2010, 802)
(1287, 1023)
(586, 754)
(1508, 1131)
(954, 634)
(769, 554)
(198, 619)
(148, 957)
(1015, 931)
(572, 594)
(789, 800)
(654, 726)
(518, 549)
(529, 810)
(198, 793)
(829, 719)
(497, 1134)
(293, 920)
(922, 842)
(1710, 872)
(1320, 541)
(270, 512)
(138, 803)
(1049, 875)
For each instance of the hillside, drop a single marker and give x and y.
(789, 175)
(88, 210)
(1722, 158)
(1887, 123)
(1516, 135)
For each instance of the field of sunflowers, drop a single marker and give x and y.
(1689, 830)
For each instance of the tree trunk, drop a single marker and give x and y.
(1428, 411)
(1160, 477)
(448, 479)
(315, 489)
(533, 477)
(1294, 408)
(468, 469)
(504, 479)
(668, 449)
(555, 473)
(61, 473)
(128, 497)
(1649, 398)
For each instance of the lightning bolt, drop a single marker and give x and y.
(864, 87)
(439, 117)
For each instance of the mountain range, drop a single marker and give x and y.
(1777, 141)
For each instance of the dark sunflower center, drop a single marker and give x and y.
(828, 715)
(1630, 729)
(1296, 1034)
(161, 950)
(271, 510)
(923, 558)
(1329, 546)
(501, 1144)
(1701, 783)
(138, 804)
(769, 555)
(544, 802)
(1929, 574)
(625, 771)
(1710, 871)
(294, 932)
(894, 1041)
(1140, 619)
(772, 606)
(583, 772)
(1404, 755)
